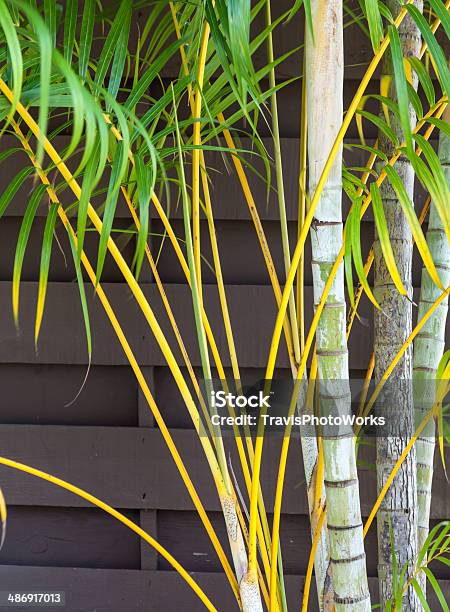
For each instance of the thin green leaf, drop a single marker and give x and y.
(381, 125)
(110, 206)
(413, 223)
(119, 27)
(46, 252)
(120, 55)
(375, 23)
(86, 35)
(355, 230)
(424, 79)
(383, 236)
(151, 73)
(14, 50)
(50, 18)
(348, 260)
(144, 192)
(22, 243)
(437, 589)
(420, 595)
(13, 187)
(400, 84)
(434, 49)
(70, 24)
(82, 292)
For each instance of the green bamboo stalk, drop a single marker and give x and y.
(280, 184)
(397, 516)
(324, 82)
(429, 347)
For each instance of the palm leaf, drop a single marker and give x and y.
(22, 242)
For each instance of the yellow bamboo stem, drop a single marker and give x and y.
(310, 567)
(302, 210)
(196, 115)
(262, 521)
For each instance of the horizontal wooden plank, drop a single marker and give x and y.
(227, 196)
(132, 468)
(252, 311)
(242, 260)
(89, 538)
(148, 591)
(69, 537)
(49, 395)
(241, 256)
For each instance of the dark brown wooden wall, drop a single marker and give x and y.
(106, 441)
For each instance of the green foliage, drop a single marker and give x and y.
(436, 550)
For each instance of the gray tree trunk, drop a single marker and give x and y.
(397, 517)
(429, 347)
(324, 81)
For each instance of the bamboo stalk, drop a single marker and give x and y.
(280, 185)
(302, 207)
(196, 115)
(429, 347)
(397, 516)
(324, 73)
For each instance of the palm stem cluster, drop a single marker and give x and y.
(139, 136)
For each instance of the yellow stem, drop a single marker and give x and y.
(302, 210)
(196, 115)
(117, 515)
(310, 567)
(280, 182)
(171, 316)
(264, 541)
(261, 237)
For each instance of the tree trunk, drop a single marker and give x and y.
(324, 74)
(397, 517)
(429, 347)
